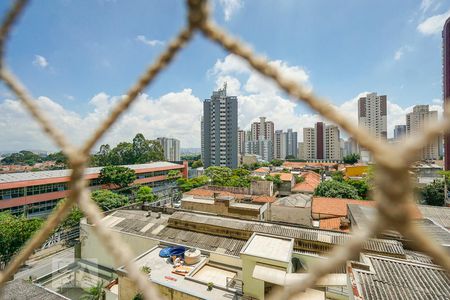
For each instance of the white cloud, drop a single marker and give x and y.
(230, 7)
(401, 51)
(165, 116)
(177, 114)
(40, 61)
(434, 24)
(148, 42)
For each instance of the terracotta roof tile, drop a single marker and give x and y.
(330, 224)
(335, 206)
(312, 180)
(284, 176)
(263, 199)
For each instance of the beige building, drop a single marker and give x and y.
(321, 142)
(332, 143)
(419, 118)
(309, 143)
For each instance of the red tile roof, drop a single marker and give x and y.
(262, 170)
(292, 164)
(312, 180)
(263, 199)
(284, 176)
(335, 206)
(338, 207)
(330, 224)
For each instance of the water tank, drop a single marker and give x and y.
(192, 256)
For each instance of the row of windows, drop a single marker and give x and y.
(30, 209)
(56, 187)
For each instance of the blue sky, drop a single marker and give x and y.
(78, 57)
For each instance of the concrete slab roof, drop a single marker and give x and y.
(269, 247)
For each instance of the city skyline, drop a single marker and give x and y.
(178, 93)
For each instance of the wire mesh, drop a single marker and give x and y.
(393, 188)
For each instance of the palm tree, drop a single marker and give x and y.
(94, 293)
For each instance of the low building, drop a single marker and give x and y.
(293, 209)
(426, 173)
(356, 171)
(37, 193)
(332, 213)
(237, 258)
(224, 205)
(288, 182)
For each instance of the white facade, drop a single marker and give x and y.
(280, 145)
(416, 121)
(372, 114)
(171, 148)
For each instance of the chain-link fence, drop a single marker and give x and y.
(393, 187)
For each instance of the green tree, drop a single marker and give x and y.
(58, 157)
(361, 186)
(197, 164)
(338, 176)
(15, 231)
(299, 179)
(433, 193)
(186, 184)
(351, 159)
(94, 293)
(72, 219)
(276, 162)
(275, 179)
(108, 200)
(218, 175)
(117, 176)
(145, 194)
(173, 174)
(290, 157)
(336, 189)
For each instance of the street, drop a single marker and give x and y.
(46, 265)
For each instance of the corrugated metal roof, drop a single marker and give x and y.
(14, 177)
(439, 215)
(305, 234)
(401, 279)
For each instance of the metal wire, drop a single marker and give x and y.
(393, 188)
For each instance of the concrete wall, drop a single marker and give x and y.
(127, 290)
(93, 250)
(220, 208)
(261, 187)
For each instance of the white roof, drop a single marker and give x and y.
(269, 247)
(14, 177)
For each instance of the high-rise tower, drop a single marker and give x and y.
(446, 83)
(220, 130)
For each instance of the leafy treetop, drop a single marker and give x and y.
(117, 175)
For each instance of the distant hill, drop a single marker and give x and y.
(190, 151)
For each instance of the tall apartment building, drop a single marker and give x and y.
(261, 139)
(399, 131)
(309, 143)
(241, 141)
(279, 147)
(171, 148)
(262, 130)
(322, 142)
(220, 130)
(446, 83)
(415, 123)
(332, 143)
(291, 143)
(350, 146)
(372, 114)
